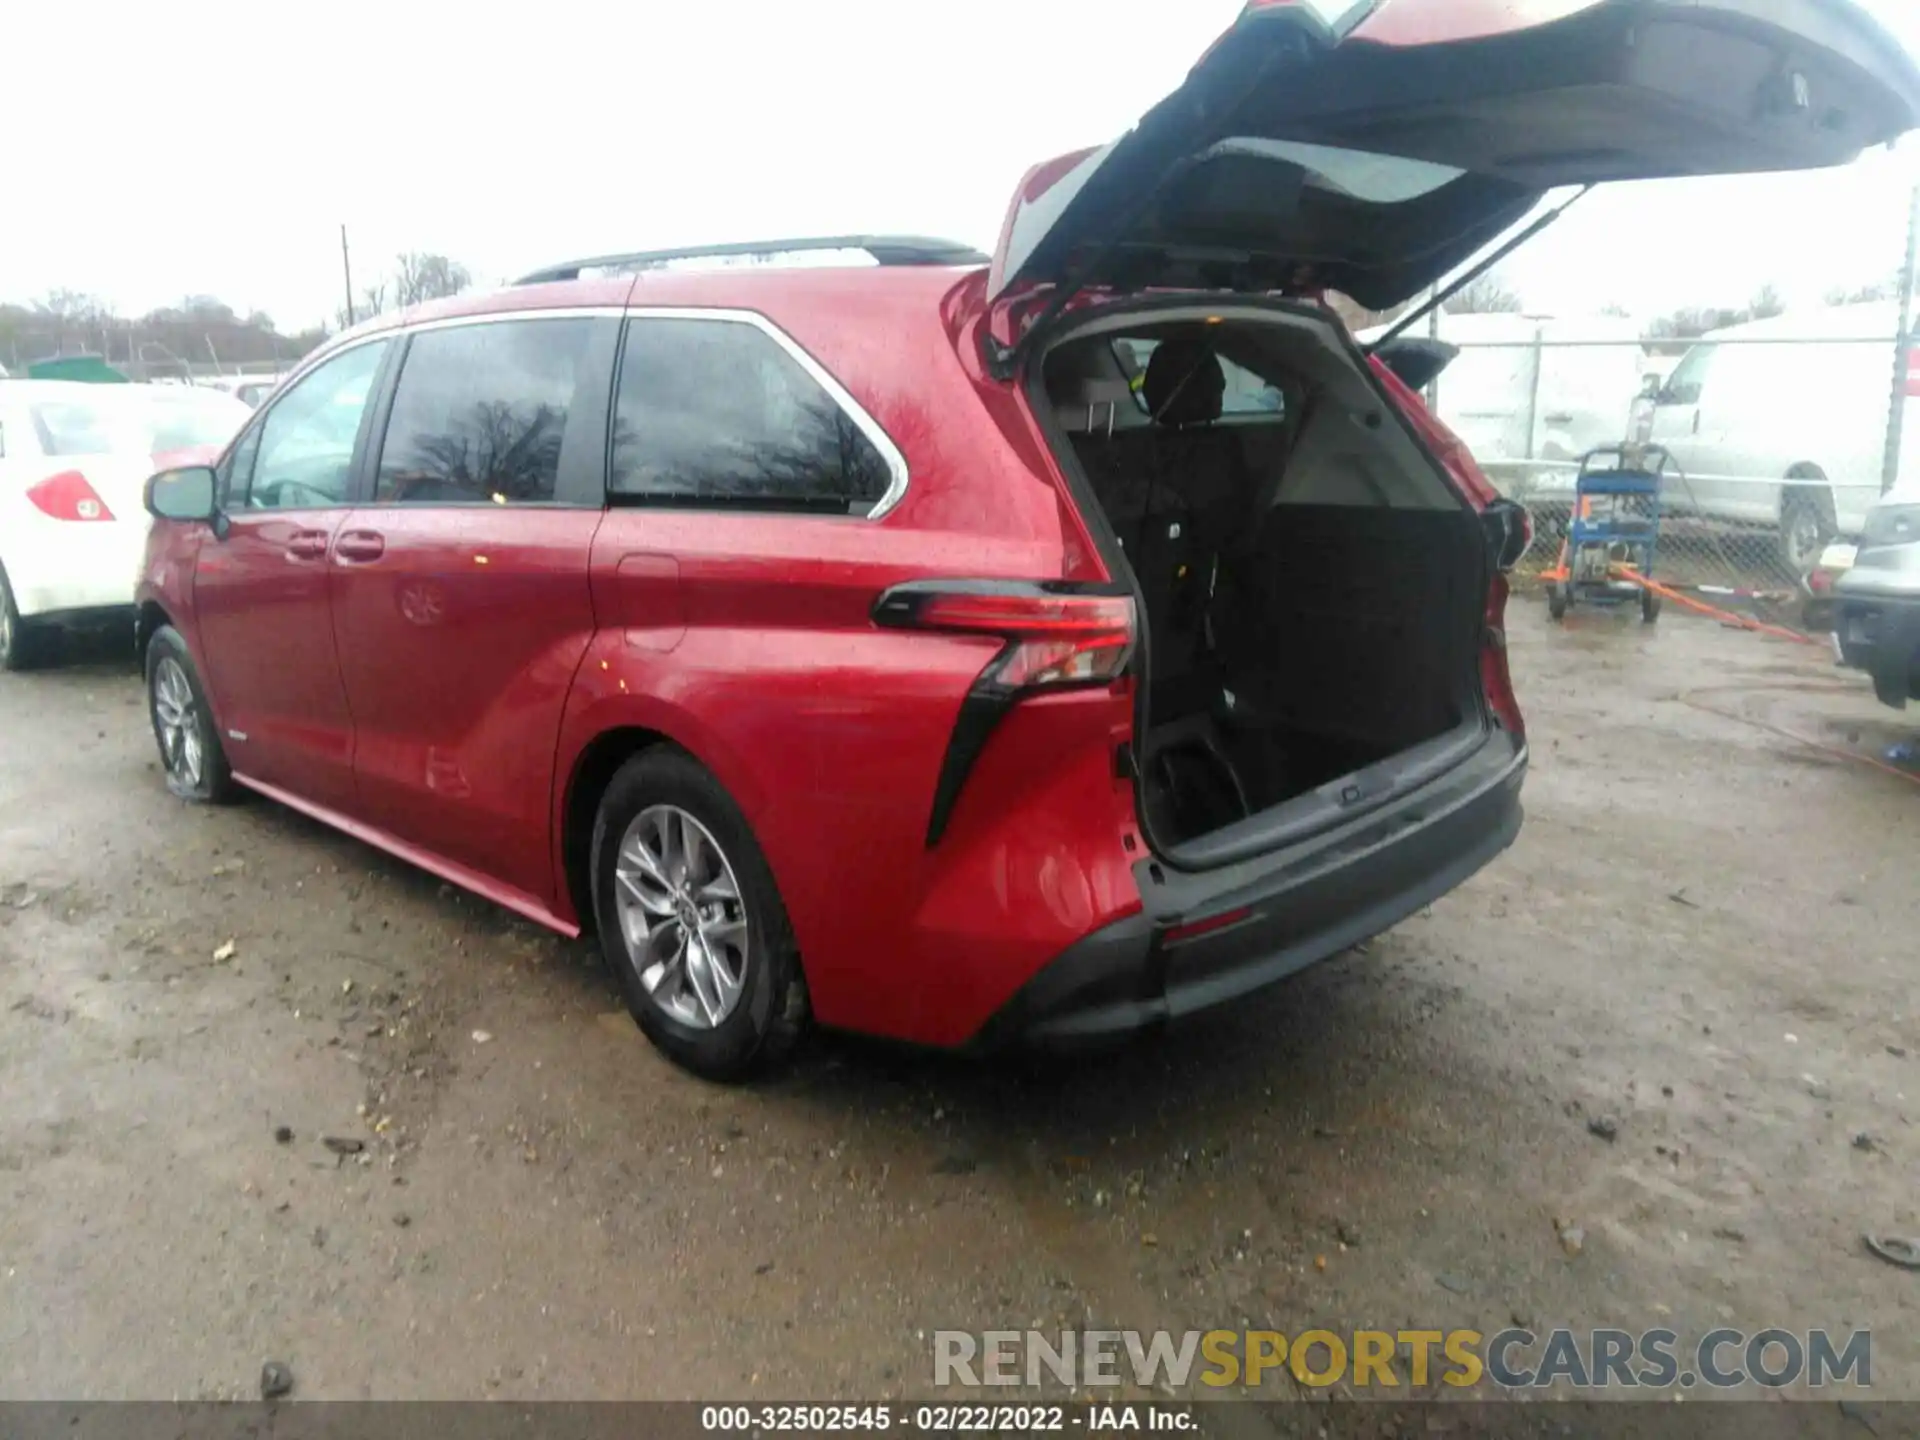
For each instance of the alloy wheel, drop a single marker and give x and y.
(177, 719)
(681, 916)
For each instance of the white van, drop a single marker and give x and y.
(1789, 436)
(1531, 394)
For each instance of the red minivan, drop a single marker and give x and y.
(957, 648)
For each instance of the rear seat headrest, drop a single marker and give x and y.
(1097, 406)
(1184, 384)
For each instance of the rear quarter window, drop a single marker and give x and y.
(720, 413)
(76, 427)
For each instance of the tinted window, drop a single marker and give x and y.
(718, 412)
(303, 454)
(480, 413)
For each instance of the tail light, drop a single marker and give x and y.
(1913, 373)
(68, 496)
(1057, 636)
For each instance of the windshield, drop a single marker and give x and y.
(126, 420)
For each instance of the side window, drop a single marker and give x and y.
(1689, 376)
(717, 412)
(480, 412)
(302, 452)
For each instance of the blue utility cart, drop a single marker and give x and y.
(1615, 524)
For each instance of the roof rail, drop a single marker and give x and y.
(885, 250)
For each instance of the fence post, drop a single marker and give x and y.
(1902, 351)
(1533, 394)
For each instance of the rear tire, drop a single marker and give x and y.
(23, 645)
(691, 921)
(1807, 525)
(194, 761)
(1649, 606)
(1557, 601)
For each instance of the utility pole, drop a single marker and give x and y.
(1902, 351)
(346, 267)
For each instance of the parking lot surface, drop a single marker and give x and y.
(1657, 1066)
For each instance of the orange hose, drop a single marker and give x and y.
(1725, 617)
(1743, 622)
(1786, 734)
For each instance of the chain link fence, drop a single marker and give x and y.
(1770, 440)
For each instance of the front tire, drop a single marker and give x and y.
(1807, 525)
(691, 921)
(191, 755)
(1557, 598)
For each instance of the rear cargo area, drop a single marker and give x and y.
(1313, 586)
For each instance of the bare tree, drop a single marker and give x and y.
(1861, 294)
(419, 276)
(71, 307)
(1766, 303)
(371, 301)
(68, 322)
(1487, 295)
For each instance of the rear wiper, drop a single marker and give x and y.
(1439, 298)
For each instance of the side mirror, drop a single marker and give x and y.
(189, 493)
(1509, 528)
(1652, 386)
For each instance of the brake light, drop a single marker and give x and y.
(68, 496)
(1057, 636)
(1054, 637)
(1913, 373)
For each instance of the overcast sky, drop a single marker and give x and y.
(161, 150)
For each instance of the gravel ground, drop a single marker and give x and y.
(1696, 946)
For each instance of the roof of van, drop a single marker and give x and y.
(1867, 320)
(1492, 326)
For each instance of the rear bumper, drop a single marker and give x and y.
(1880, 634)
(76, 567)
(1301, 904)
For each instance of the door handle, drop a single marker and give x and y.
(356, 547)
(307, 545)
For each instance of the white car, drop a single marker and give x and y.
(248, 389)
(1782, 424)
(74, 462)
